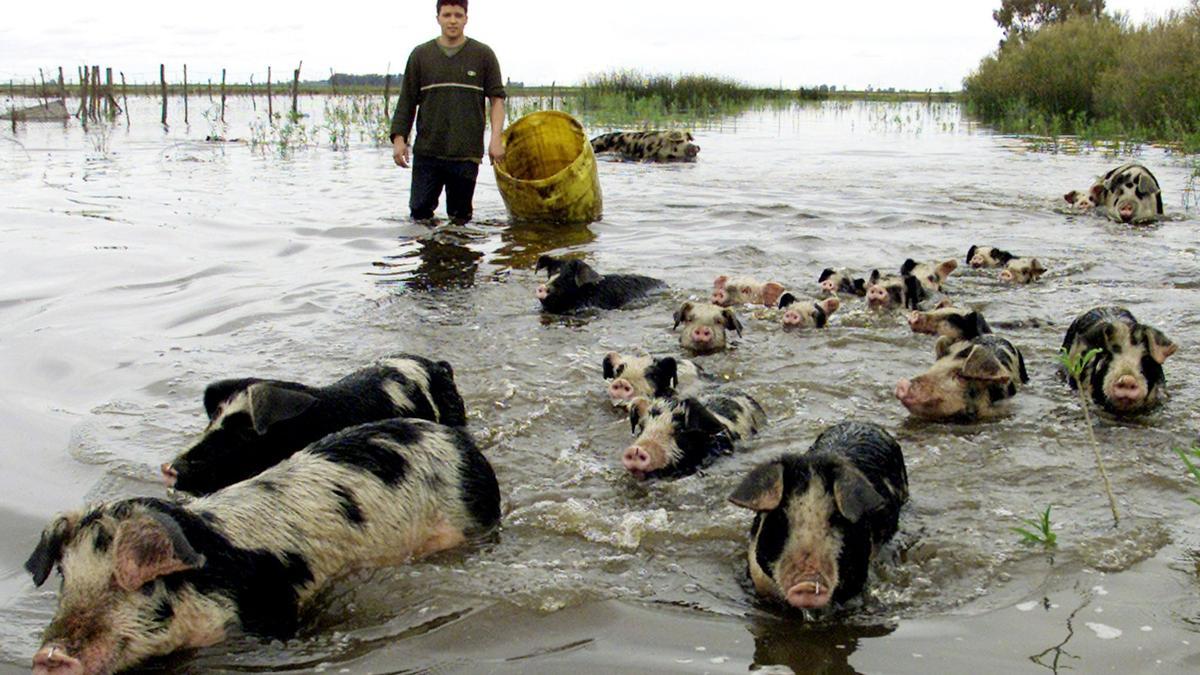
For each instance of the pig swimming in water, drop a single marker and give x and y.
(729, 291)
(820, 517)
(650, 377)
(678, 436)
(573, 284)
(145, 577)
(1126, 376)
(705, 326)
(967, 381)
(254, 423)
(953, 322)
(807, 313)
(842, 282)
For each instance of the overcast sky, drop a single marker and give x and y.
(926, 44)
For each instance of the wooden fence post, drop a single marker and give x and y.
(42, 77)
(110, 101)
(270, 101)
(332, 82)
(387, 91)
(222, 95)
(12, 109)
(162, 77)
(296, 88)
(253, 104)
(185, 101)
(210, 98)
(62, 88)
(96, 92)
(82, 112)
(125, 99)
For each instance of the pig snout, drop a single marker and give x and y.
(637, 461)
(620, 389)
(1127, 392)
(1006, 275)
(828, 286)
(876, 296)
(809, 592)
(170, 474)
(692, 150)
(720, 297)
(54, 660)
(914, 321)
(903, 389)
(703, 336)
(977, 261)
(793, 318)
(1126, 211)
(542, 292)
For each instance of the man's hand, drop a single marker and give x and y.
(400, 152)
(496, 149)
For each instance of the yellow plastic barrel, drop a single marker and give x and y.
(548, 174)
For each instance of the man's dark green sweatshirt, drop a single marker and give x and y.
(450, 92)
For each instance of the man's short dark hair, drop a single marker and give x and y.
(460, 3)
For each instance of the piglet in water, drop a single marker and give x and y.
(729, 291)
(967, 381)
(1126, 375)
(678, 436)
(146, 577)
(843, 282)
(820, 517)
(649, 376)
(706, 326)
(954, 322)
(807, 313)
(573, 284)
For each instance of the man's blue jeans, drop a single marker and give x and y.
(430, 175)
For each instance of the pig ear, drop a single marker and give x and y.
(150, 546)
(1035, 267)
(1099, 192)
(1161, 347)
(637, 410)
(860, 287)
(1021, 372)
(1071, 196)
(943, 346)
(698, 418)
(220, 391)
(683, 314)
(786, 300)
(670, 370)
(830, 305)
(912, 292)
(1147, 183)
(545, 262)
(971, 251)
(772, 290)
(610, 363)
(731, 321)
(48, 552)
(908, 266)
(854, 495)
(270, 404)
(720, 282)
(981, 324)
(946, 268)
(825, 274)
(585, 275)
(982, 364)
(874, 279)
(761, 490)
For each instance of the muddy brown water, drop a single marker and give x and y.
(139, 264)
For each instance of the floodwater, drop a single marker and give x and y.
(140, 264)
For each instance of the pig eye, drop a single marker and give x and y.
(745, 289)
(620, 370)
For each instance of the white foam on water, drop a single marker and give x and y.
(1104, 632)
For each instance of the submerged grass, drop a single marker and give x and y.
(1191, 459)
(1075, 366)
(1038, 531)
(1097, 78)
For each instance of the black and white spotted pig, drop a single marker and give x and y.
(842, 282)
(705, 326)
(987, 256)
(930, 275)
(1129, 194)
(807, 313)
(820, 517)
(729, 291)
(894, 291)
(145, 577)
(573, 284)
(967, 381)
(649, 376)
(649, 146)
(678, 436)
(1126, 375)
(1022, 271)
(255, 423)
(953, 322)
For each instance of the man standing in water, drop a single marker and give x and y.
(448, 78)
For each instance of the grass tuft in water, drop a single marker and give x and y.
(1039, 531)
(1075, 366)
(1191, 459)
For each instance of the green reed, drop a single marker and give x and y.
(1097, 78)
(1075, 366)
(1191, 459)
(1038, 531)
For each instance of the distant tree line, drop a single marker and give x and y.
(371, 80)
